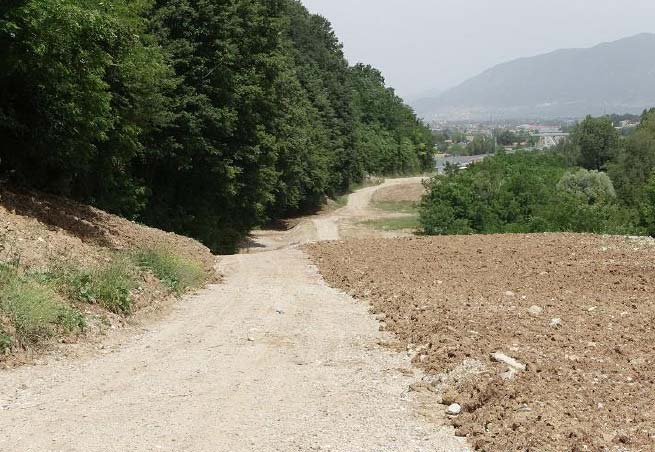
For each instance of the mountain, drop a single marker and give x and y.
(612, 77)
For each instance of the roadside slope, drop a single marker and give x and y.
(64, 260)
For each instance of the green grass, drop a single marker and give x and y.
(34, 309)
(176, 272)
(409, 207)
(394, 224)
(109, 285)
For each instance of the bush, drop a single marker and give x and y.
(591, 186)
(176, 272)
(523, 192)
(35, 310)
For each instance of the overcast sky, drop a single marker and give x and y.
(423, 45)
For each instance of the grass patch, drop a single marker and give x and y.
(109, 286)
(394, 224)
(34, 309)
(409, 207)
(6, 341)
(176, 272)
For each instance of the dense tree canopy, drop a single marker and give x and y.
(202, 117)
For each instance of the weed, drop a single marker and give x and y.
(109, 286)
(35, 310)
(176, 272)
(5, 341)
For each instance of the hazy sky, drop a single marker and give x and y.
(423, 45)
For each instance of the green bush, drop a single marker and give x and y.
(35, 310)
(176, 272)
(591, 186)
(521, 193)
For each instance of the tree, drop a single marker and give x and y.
(591, 186)
(597, 142)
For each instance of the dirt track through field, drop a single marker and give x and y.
(272, 359)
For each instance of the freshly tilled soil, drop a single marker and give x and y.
(577, 310)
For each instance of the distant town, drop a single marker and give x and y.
(463, 138)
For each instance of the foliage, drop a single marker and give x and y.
(78, 87)
(481, 145)
(204, 118)
(6, 341)
(109, 286)
(647, 207)
(176, 272)
(591, 186)
(523, 192)
(597, 142)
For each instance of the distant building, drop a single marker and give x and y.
(550, 139)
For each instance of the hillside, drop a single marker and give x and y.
(610, 77)
(70, 272)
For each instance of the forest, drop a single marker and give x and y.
(207, 118)
(598, 181)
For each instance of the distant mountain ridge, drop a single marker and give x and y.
(614, 77)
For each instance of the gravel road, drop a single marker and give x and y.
(272, 359)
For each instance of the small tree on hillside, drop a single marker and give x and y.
(597, 142)
(592, 186)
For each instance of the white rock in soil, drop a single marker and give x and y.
(509, 293)
(511, 362)
(556, 323)
(509, 374)
(454, 409)
(536, 311)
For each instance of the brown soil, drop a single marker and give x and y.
(38, 231)
(589, 382)
(401, 192)
(38, 227)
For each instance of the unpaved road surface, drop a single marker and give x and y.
(272, 359)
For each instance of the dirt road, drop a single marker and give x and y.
(270, 360)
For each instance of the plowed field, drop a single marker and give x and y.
(577, 310)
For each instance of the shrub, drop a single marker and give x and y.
(176, 272)
(523, 192)
(591, 186)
